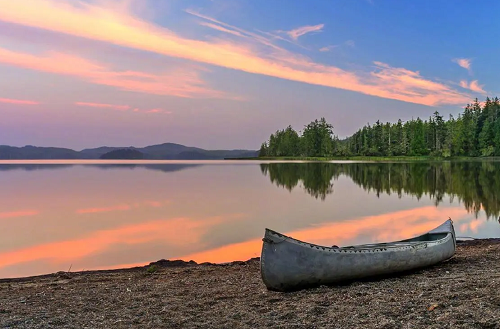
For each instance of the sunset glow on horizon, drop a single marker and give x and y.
(226, 74)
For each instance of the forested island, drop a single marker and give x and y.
(473, 133)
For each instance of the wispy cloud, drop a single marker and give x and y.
(16, 214)
(121, 28)
(122, 107)
(103, 209)
(231, 29)
(327, 48)
(350, 43)
(473, 85)
(463, 62)
(298, 32)
(17, 101)
(221, 29)
(155, 110)
(158, 111)
(181, 82)
(109, 106)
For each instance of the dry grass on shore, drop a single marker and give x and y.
(463, 292)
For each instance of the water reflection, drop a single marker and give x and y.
(53, 217)
(474, 184)
(160, 167)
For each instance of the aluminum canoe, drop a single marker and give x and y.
(290, 264)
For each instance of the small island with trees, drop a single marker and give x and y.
(473, 133)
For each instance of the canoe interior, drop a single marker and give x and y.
(427, 237)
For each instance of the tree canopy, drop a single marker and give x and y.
(475, 132)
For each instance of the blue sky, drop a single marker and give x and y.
(226, 74)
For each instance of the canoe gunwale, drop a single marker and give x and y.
(289, 264)
(381, 248)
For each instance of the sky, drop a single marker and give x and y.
(225, 74)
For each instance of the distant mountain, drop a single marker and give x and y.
(97, 152)
(32, 152)
(166, 151)
(123, 154)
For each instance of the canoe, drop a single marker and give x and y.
(289, 264)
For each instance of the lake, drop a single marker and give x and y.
(83, 215)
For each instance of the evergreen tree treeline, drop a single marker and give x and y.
(475, 132)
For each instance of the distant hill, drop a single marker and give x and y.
(123, 154)
(166, 151)
(32, 152)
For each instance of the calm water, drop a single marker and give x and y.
(56, 215)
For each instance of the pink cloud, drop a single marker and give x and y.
(472, 226)
(231, 29)
(18, 101)
(158, 111)
(182, 82)
(15, 214)
(119, 27)
(463, 62)
(298, 32)
(103, 209)
(110, 106)
(221, 28)
(327, 48)
(473, 85)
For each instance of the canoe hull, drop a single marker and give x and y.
(289, 264)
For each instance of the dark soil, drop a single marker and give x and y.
(463, 292)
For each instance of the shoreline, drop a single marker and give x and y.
(156, 265)
(462, 292)
(370, 158)
(178, 263)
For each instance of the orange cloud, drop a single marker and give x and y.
(104, 209)
(17, 101)
(386, 227)
(177, 232)
(182, 82)
(15, 214)
(473, 85)
(110, 106)
(472, 226)
(158, 111)
(298, 32)
(119, 27)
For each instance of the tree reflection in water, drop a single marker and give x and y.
(475, 184)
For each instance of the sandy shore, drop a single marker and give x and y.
(463, 292)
